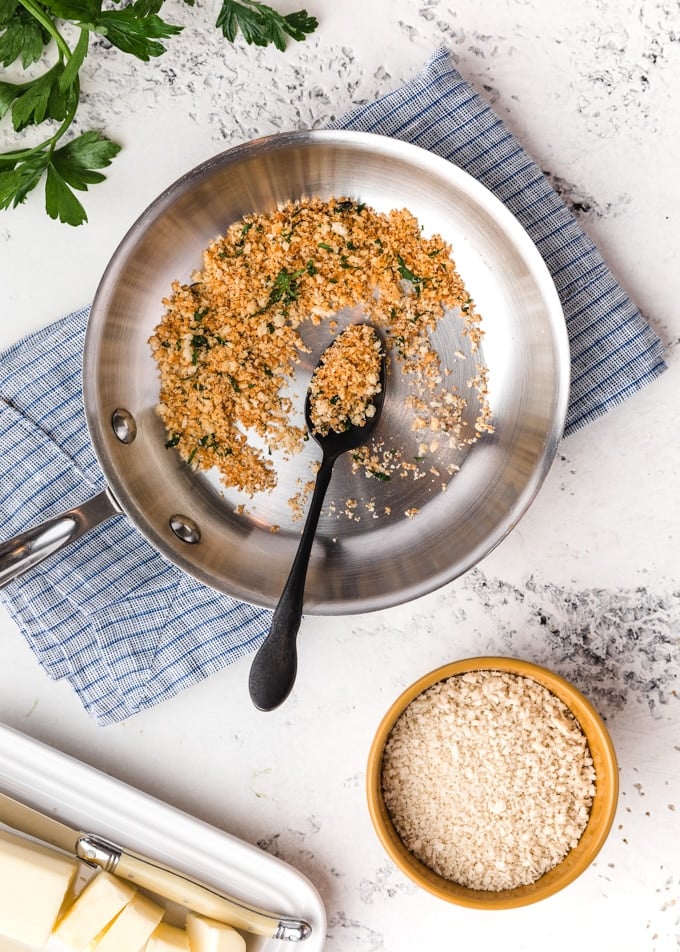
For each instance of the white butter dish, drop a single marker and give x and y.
(90, 800)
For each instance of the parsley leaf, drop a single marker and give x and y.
(72, 166)
(7, 10)
(60, 202)
(134, 33)
(262, 25)
(408, 275)
(17, 181)
(146, 7)
(8, 93)
(285, 287)
(80, 11)
(21, 36)
(77, 161)
(39, 100)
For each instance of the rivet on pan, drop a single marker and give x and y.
(185, 528)
(124, 425)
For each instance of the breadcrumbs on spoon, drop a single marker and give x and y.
(345, 381)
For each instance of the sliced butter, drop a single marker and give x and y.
(9, 945)
(167, 938)
(208, 935)
(132, 928)
(34, 880)
(98, 904)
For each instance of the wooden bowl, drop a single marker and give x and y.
(576, 860)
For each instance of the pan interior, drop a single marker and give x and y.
(403, 537)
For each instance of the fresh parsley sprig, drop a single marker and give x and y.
(32, 31)
(30, 28)
(261, 25)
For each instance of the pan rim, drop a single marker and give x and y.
(422, 159)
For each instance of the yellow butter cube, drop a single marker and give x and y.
(167, 938)
(9, 945)
(34, 882)
(208, 935)
(132, 927)
(98, 904)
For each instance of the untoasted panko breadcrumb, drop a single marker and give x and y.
(488, 779)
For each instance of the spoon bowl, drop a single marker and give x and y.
(274, 667)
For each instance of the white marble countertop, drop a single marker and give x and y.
(587, 584)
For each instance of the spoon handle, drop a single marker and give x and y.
(272, 673)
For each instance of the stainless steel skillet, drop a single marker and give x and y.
(359, 564)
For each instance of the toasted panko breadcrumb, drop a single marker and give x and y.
(346, 380)
(229, 341)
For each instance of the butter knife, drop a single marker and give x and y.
(149, 874)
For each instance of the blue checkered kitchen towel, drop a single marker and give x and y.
(109, 613)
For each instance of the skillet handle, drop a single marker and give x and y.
(24, 551)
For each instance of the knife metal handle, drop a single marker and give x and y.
(187, 892)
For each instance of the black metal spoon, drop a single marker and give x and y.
(274, 667)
